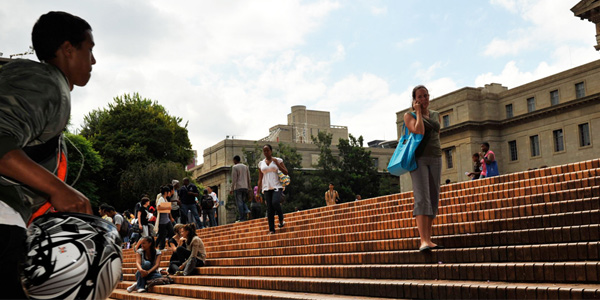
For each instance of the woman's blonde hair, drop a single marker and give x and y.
(177, 227)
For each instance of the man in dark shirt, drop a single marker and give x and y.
(188, 194)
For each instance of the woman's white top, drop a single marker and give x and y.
(270, 180)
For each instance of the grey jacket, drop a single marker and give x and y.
(35, 106)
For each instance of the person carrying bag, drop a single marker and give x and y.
(403, 160)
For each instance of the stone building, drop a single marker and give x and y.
(589, 10)
(304, 123)
(551, 121)
(215, 171)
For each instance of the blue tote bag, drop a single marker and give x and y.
(403, 160)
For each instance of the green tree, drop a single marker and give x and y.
(147, 178)
(358, 174)
(132, 131)
(327, 161)
(84, 167)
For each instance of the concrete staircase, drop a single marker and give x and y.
(527, 235)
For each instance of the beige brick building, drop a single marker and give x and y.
(304, 123)
(551, 121)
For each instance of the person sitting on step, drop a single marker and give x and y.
(178, 240)
(147, 261)
(193, 253)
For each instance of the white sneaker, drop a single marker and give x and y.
(141, 290)
(131, 288)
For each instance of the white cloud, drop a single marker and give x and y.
(511, 76)
(501, 47)
(509, 5)
(406, 42)
(427, 74)
(376, 11)
(551, 24)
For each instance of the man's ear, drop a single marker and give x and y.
(66, 49)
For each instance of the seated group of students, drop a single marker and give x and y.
(188, 253)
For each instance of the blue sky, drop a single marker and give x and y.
(236, 67)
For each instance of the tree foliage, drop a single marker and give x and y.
(133, 131)
(147, 177)
(357, 172)
(84, 167)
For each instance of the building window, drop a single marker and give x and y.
(512, 147)
(579, 90)
(558, 140)
(535, 145)
(531, 104)
(584, 135)
(375, 162)
(509, 111)
(446, 120)
(448, 153)
(554, 97)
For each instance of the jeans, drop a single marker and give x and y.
(209, 217)
(240, 199)
(175, 215)
(164, 231)
(141, 281)
(179, 257)
(273, 199)
(194, 210)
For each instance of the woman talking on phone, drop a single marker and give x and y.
(426, 178)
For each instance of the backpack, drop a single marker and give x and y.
(207, 202)
(124, 227)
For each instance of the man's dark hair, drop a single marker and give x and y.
(109, 208)
(205, 192)
(476, 154)
(144, 200)
(53, 29)
(486, 144)
(236, 159)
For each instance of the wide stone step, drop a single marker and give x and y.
(554, 220)
(555, 272)
(585, 251)
(519, 217)
(502, 208)
(325, 214)
(213, 292)
(352, 289)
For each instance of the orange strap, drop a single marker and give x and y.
(61, 173)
